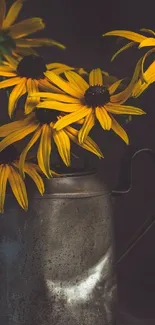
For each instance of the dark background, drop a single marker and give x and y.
(79, 25)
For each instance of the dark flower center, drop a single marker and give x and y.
(8, 155)
(45, 115)
(31, 66)
(96, 96)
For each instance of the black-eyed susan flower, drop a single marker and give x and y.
(13, 36)
(41, 123)
(9, 172)
(89, 101)
(27, 75)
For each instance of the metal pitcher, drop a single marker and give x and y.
(57, 260)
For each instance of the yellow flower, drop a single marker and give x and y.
(9, 172)
(26, 76)
(41, 123)
(90, 101)
(12, 36)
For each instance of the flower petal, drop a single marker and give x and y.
(45, 85)
(123, 109)
(26, 149)
(132, 36)
(71, 118)
(119, 130)
(6, 129)
(62, 142)
(77, 80)
(57, 97)
(31, 102)
(16, 93)
(103, 118)
(4, 173)
(64, 107)
(30, 169)
(123, 48)
(26, 27)
(56, 66)
(88, 124)
(44, 150)
(18, 135)
(127, 92)
(7, 74)
(2, 11)
(150, 31)
(114, 86)
(18, 188)
(10, 82)
(62, 84)
(149, 41)
(12, 13)
(95, 77)
(88, 144)
(149, 76)
(38, 42)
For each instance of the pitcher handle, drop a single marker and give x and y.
(124, 186)
(125, 175)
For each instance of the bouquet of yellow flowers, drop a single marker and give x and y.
(61, 104)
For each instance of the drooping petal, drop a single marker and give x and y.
(62, 84)
(2, 11)
(142, 76)
(149, 76)
(150, 31)
(149, 41)
(44, 150)
(38, 42)
(103, 118)
(58, 97)
(132, 36)
(10, 82)
(122, 49)
(12, 13)
(26, 27)
(18, 188)
(88, 144)
(31, 102)
(30, 169)
(77, 80)
(18, 91)
(71, 118)
(26, 149)
(6, 129)
(119, 130)
(62, 142)
(4, 173)
(88, 124)
(64, 107)
(95, 77)
(121, 97)
(123, 109)
(114, 86)
(18, 135)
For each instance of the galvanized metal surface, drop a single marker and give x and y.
(56, 260)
